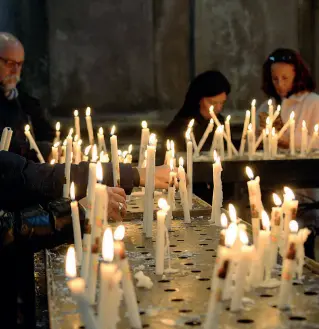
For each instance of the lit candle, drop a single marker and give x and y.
(217, 122)
(208, 130)
(243, 136)
(255, 202)
(76, 225)
(57, 132)
(253, 116)
(190, 127)
(277, 113)
(77, 289)
(127, 283)
(168, 153)
(77, 124)
(32, 143)
(63, 151)
(288, 270)
(218, 142)
(274, 142)
(286, 125)
(128, 157)
(189, 159)
(266, 143)
(304, 138)
(314, 137)
(115, 158)
(244, 262)
(292, 135)
(101, 140)
(160, 236)
(217, 201)
(183, 191)
(67, 167)
(173, 153)
(109, 299)
(55, 152)
(251, 141)
(228, 134)
(270, 110)
(89, 126)
(89, 215)
(260, 262)
(145, 135)
(302, 238)
(149, 187)
(171, 195)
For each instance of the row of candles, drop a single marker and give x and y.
(269, 137)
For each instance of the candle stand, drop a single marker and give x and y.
(180, 299)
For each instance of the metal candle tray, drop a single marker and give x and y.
(180, 300)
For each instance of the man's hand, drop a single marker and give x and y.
(117, 203)
(161, 176)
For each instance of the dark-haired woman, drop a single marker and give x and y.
(288, 81)
(207, 89)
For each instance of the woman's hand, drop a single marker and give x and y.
(117, 203)
(161, 176)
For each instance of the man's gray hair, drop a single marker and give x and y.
(8, 39)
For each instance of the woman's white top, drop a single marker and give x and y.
(306, 107)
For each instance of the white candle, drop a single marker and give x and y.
(78, 155)
(217, 122)
(77, 289)
(101, 140)
(251, 142)
(276, 113)
(292, 136)
(77, 124)
(129, 157)
(304, 138)
(89, 126)
(149, 187)
(255, 202)
(32, 143)
(208, 130)
(145, 135)
(274, 142)
(259, 140)
(67, 167)
(218, 142)
(3, 138)
(228, 134)
(266, 143)
(314, 137)
(168, 153)
(302, 238)
(8, 137)
(243, 136)
(115, 158)
(253, 116)
(217, 201)
(190, 127)
(76, 225)
(171, 195)
(127, 283)
(173, 153)
(183, 191)
(242, 269)
(286, 125)
(109, 299)
(63, 151)
(189, 159)
(160, 236)
(57, 132)
(270, 110)
(55, 152)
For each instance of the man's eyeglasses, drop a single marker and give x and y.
(11, 64)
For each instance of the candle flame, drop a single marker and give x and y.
(171, 164)
(130, 148)
(99, 172)
(88, 111)
(80, 142)
(144, 124)
(181, 162)
(70, 132)
(211, 121)
(76, 113)
(70, 263)
(232, 213)
(265, 220)
(227, 118)
(162, 203)
(243, 237)
(113, 130)
(278, 108)
(269, 102)
(56, 144)
(168, 145)
(119, 233)
(124, 154)
(268, 121)
(253, 103)
(72, 191)
(101, 132)
(292, 115)
(316, 128)
(94, 153)
(52, 162)
(108, 245)
(65, 142)
(188, 134)
(267, 132)
(230, 236)
(304, 125)
(223, 220)
(191, 123)
(250, 127)
(119, 152)
(293, 226)
(276, 199)
(152, 140)
(27, 128)
(248, 114)
(58, 126)
(249, 173)
(221, 128)
(289, 193)
(211, 109)
(87, 150)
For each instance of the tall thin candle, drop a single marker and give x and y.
(77, 124)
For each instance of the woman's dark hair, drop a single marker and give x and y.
(206, 84)
(303, 80)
